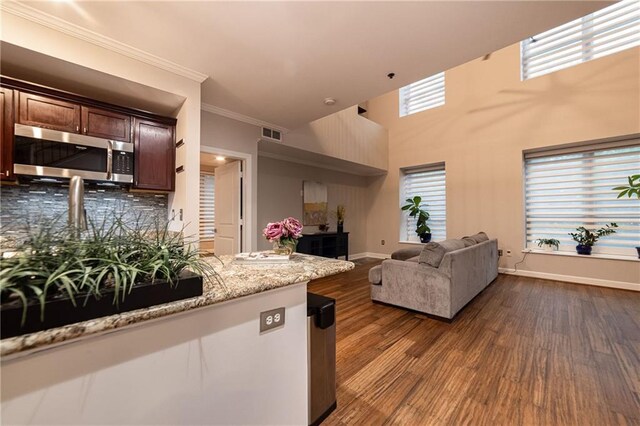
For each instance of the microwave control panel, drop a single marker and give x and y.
(122, 163)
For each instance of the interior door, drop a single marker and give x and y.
(227, 219)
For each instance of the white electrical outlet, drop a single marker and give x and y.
(271, 319)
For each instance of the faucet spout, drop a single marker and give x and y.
(77, 215)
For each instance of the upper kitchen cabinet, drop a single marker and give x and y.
(154, 145)
(41, 111)
(6, 133)
(106, 124)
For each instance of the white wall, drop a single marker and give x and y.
(232, 135)
(279, 196)
(489, 118)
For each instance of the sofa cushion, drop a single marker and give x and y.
(468, 241)
(432, 254)
(406, 253)
(414, 259)
(452, 244)
(375, 275)
(480, 237)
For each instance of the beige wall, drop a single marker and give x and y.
(489, 118)
(280, 196)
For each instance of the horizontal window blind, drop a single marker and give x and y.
(207, 207)
(565, 190)
(601, 33)
(421, 95)
(428, 183)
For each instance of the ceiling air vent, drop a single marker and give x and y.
(274, 135)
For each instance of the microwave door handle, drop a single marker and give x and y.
(109, 159)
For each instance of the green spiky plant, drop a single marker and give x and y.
(54, 263)
(588, 237)
(548, 241)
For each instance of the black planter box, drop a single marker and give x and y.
(59, 312)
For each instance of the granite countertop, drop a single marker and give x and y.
(237, 280)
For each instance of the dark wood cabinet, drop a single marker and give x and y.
(106, 124)
(41, 111)
(154, 145)
(325, 244)
(6, 133)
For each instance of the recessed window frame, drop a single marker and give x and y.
(435, 204)
(604, 32)
(593, 159)
(422, 95)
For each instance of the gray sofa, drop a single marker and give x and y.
(415, 279)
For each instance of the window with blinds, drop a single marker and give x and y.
(601, 33)
(568, 188)
(207, 207)
(421, 95)
(429, 183)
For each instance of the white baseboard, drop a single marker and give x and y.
(571, 279)
(369, 254)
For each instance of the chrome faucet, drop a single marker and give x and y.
(77, 213)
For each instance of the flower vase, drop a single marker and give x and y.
(285, 248)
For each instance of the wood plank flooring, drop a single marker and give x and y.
(525, 351)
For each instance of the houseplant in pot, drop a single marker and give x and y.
(421, 215)
(58, 277)
(630, 190)
(586, 238)
(548, 244)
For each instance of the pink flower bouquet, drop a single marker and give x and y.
(284, 233)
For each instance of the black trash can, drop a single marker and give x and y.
(321, 356)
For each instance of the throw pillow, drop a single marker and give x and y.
(468, 241)
(480, 237)
(432, 254)
(452, 245)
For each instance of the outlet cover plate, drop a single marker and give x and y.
(271, 319)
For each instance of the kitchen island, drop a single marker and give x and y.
(201, 360)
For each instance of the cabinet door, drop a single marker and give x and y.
(106, 124)
(6, 133)
(46, 112)
(154, 155)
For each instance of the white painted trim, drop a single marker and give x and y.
(580, 256)
(369, 254)
(241, 117)
(249, 227)
(571, 279)
(37, 16)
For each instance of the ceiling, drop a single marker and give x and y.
(278, 61)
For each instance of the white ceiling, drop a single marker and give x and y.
(277, 61)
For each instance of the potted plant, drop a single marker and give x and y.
(284, 235)
(633, 188)
(548, 244)
(586, 238)
(340, 213)
(58, 277)
(415, 210)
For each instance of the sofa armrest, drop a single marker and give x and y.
(406, 253)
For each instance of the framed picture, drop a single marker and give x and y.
(315, 204)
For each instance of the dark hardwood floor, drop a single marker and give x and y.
(525, 351)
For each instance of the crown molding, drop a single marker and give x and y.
(241, 117)
(34, 15)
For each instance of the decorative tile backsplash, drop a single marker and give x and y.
(33, 201)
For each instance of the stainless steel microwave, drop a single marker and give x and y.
(51, 153)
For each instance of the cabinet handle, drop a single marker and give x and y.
(85, 130)
(77, 128)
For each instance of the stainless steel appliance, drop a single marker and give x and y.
(321, 354)
(51, 153)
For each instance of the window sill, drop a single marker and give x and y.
(415, 243)
(582, 256)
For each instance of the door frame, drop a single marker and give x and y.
(248, 220)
